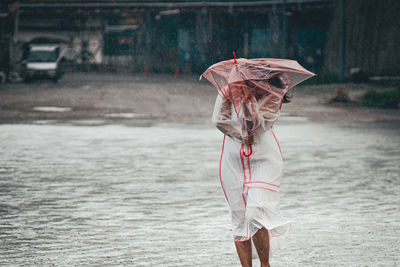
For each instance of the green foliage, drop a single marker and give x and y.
(382, 99)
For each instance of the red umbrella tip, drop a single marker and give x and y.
(234, 57)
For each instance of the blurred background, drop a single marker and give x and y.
(108, 156)
(334, 38)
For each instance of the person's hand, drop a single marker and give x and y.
(249, 125)
(249, 138)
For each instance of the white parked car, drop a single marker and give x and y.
(43, 61)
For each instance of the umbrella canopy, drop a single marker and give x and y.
(241, 78)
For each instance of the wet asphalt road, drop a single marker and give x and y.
(115, 195)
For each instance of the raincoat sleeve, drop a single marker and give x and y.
(222, 119)
(268, 112)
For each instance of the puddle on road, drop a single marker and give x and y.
(45, 122)
(86, 122)
(116, 195)
(128, 115)
(52, 109)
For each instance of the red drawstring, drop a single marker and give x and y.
(249, 148)
(251, 152)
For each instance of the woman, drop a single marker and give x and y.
(251, 168)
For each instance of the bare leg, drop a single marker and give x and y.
(244, 251)
(261, 242)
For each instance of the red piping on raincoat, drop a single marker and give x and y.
(254, 182)
(220, 163)
(262, 187)
(242, 153)
(226, 95)
(277, 143)
(244, 173)
(247, 232)
(244, 181)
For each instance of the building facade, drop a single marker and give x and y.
(184, 36)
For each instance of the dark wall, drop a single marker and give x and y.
(372, 37)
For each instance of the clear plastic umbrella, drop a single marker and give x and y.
(238, 78)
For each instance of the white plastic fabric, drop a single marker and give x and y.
(252, 184)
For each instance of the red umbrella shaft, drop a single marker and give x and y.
(234, 57)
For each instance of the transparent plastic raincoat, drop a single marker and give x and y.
(251, 184)
(250, 93)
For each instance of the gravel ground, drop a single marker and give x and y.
(160, 98)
